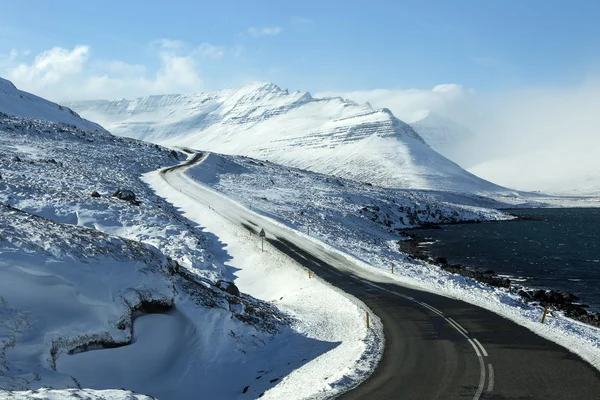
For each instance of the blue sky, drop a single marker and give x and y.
(319, 46)
(521, 73)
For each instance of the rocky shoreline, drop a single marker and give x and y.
(564, 302)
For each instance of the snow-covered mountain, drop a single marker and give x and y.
(22, 104)
(328, 135)
(444, 135)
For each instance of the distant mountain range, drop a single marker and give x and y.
(327, 135)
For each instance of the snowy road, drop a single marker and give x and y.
(436, 347)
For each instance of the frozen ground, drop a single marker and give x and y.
(363, 223)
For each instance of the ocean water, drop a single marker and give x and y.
(550, 249)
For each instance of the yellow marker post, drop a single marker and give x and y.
(392, 268)
(368, 321)
(308, 273)
(544, 315)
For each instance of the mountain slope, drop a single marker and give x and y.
(22, 104)
(329, 135)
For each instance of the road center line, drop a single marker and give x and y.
(485, 354)
(456, 327)
(491, 379)
(481, 371)
(459, 326)
(431, 308)
(434, 309)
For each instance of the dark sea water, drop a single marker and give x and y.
(558, 250)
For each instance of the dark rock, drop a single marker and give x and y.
(174, 154)
(539, 295)
(489, 272)
(228, 287)
(95, 194)
(555, 297)
(524, 294)
(245, 389)
(441, 260)
(126, 195)
(570, 297)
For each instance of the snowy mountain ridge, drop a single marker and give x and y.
(327, 135)
(22, 104)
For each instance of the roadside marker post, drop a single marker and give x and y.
(392, 268)
(308, 273)
(262, 239)
(368, 320)
(544, 315)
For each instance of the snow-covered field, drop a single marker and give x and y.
(91, 296)
(362, 223)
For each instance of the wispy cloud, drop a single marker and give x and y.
(411, 104)
(210, 51)
(302, 21)
(265, 31)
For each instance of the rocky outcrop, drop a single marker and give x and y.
(228, 287)
(566, 302)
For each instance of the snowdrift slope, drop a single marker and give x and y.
(329, 135)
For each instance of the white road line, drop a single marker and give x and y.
(475, 347)
(431, 308)
(459, 326)
(336, 272)
(485, 354)
(481, 372)
(435, 309)
(491, 380)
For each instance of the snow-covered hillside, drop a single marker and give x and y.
(79, 272)
(329, 135)
(445, 136)
(22, 104)
(105, 285)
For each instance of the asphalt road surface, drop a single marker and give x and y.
(435, 347)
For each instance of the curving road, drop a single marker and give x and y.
(436, 347)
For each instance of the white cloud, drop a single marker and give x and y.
(265, 31)
(50, 66)
(72, 74)
(122, 68)
(543, 138)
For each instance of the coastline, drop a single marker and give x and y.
(560, 301)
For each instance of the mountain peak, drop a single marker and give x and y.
(4, 83)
